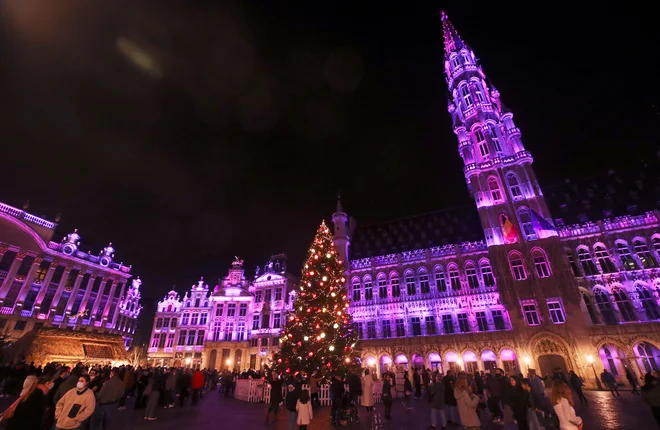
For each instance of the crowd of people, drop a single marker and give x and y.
(89, 397)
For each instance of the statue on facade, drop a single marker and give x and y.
(136, 283)
(257, 270)
(237, 263)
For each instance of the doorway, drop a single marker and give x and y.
(551, 361)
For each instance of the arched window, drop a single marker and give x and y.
(169, 308)
(587, 263)
(645, 352)
(541, 263)
(624, 305)
(395, 285)
(514, 186)
(411, 285)
(467, 97)
(357, 290)
(643, 254)
(424, 281)
(480, 140)
(479, 93)
(454, 277)
(649, 302)
(495, 192)
(454, 59)
(487, 273)
(590, 308)
(605, 307)
(525, 218)
(610, 361)
(368, 287)
(517, 266)
(471, 275)
(656, 244)
(572, 262)
(440, 281)
(604, 259)
(627, 260)
(382, 286)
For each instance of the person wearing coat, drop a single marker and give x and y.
(368, 391)
(467, 404)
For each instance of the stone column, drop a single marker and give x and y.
(60, 288)
(72, 297)
(99, 296)
(45, 283)
(11, 274)
(121, 296)
(108, 304)
(29, 279)
(88, 291)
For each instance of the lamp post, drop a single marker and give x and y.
(590, 360)
(527, 361)
(228, 363)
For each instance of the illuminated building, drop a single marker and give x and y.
(57, 285)
(513, 284)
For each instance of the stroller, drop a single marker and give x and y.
(349, 412)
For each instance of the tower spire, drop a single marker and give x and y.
(453, 42)
(339, 209)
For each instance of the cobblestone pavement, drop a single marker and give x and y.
(605, 412)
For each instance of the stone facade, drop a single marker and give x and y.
(57, 284)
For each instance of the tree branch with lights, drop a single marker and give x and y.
(319, 333)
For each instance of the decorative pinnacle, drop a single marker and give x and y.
(453, 41)
(340, 209)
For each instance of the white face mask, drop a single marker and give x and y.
(80, 385)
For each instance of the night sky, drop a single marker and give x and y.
(233, 128)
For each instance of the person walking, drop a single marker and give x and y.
(291, 401)
(632, 380)
(608, 379)
(386, 396)
(562, 402)
(368, 391)
(576, 384)
(436, 396)
(304, 409)
(275, 396)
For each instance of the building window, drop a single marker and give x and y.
(411, 287)
(357, 291)
(649, 303)
(231, 309)
(487, 274)
(648, 358)
(368, 290)
(440, 282)
(467, 97)
(170, 340)
(590, 309)
(573, 263)
(603, 258)
(610, 361)
(200, 337)
(242, 310)
(624, 305)
(497, 144)
(540, 264)
(166, 323)
(517, 266)
(163, 338)
(218, 310)
(382, 288)
(159, 322)
(416, 326)
(605, 307)
(472, 278)
(264, 341)
(656, 244)
(447, 324)
(400, 328)
(587, 263)
(644, 255)
(268, 295)
(203, 318)
(254, 342)
(185, 319)
(525, 218)
(371, 329)
(627, 260)
(479, 94)
(531, 314)
(498, 320)
(556, 312)
(257, 297)
(454, 278)
(154, 341)
(358, 329)
(278, 294)
(191, 337)
(494, 188)
(229, 328)
(430, 325)
(276, 320)
(463, 323)
(195, 319)
(482, 322)
(40, 275)
(240, 335)
(514, 187)
(217, 331)
(255, 322)
(182, 338)
(481, 142)
(424, 283)
(387, 329)
(396, 287)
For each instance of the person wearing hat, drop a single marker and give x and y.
(75, 406)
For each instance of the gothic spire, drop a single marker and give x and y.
(339, 209)
(453, 41)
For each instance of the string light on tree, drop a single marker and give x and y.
(319, 333)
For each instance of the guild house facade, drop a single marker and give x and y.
(234, 325)
(56, 285)
(565, 276)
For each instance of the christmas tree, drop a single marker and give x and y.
(319, 333)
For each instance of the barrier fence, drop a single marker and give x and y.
(257, 390)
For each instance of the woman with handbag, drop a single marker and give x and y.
(562, 402)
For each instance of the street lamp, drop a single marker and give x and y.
(590, 360)
(527, 361)
(228, 363)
